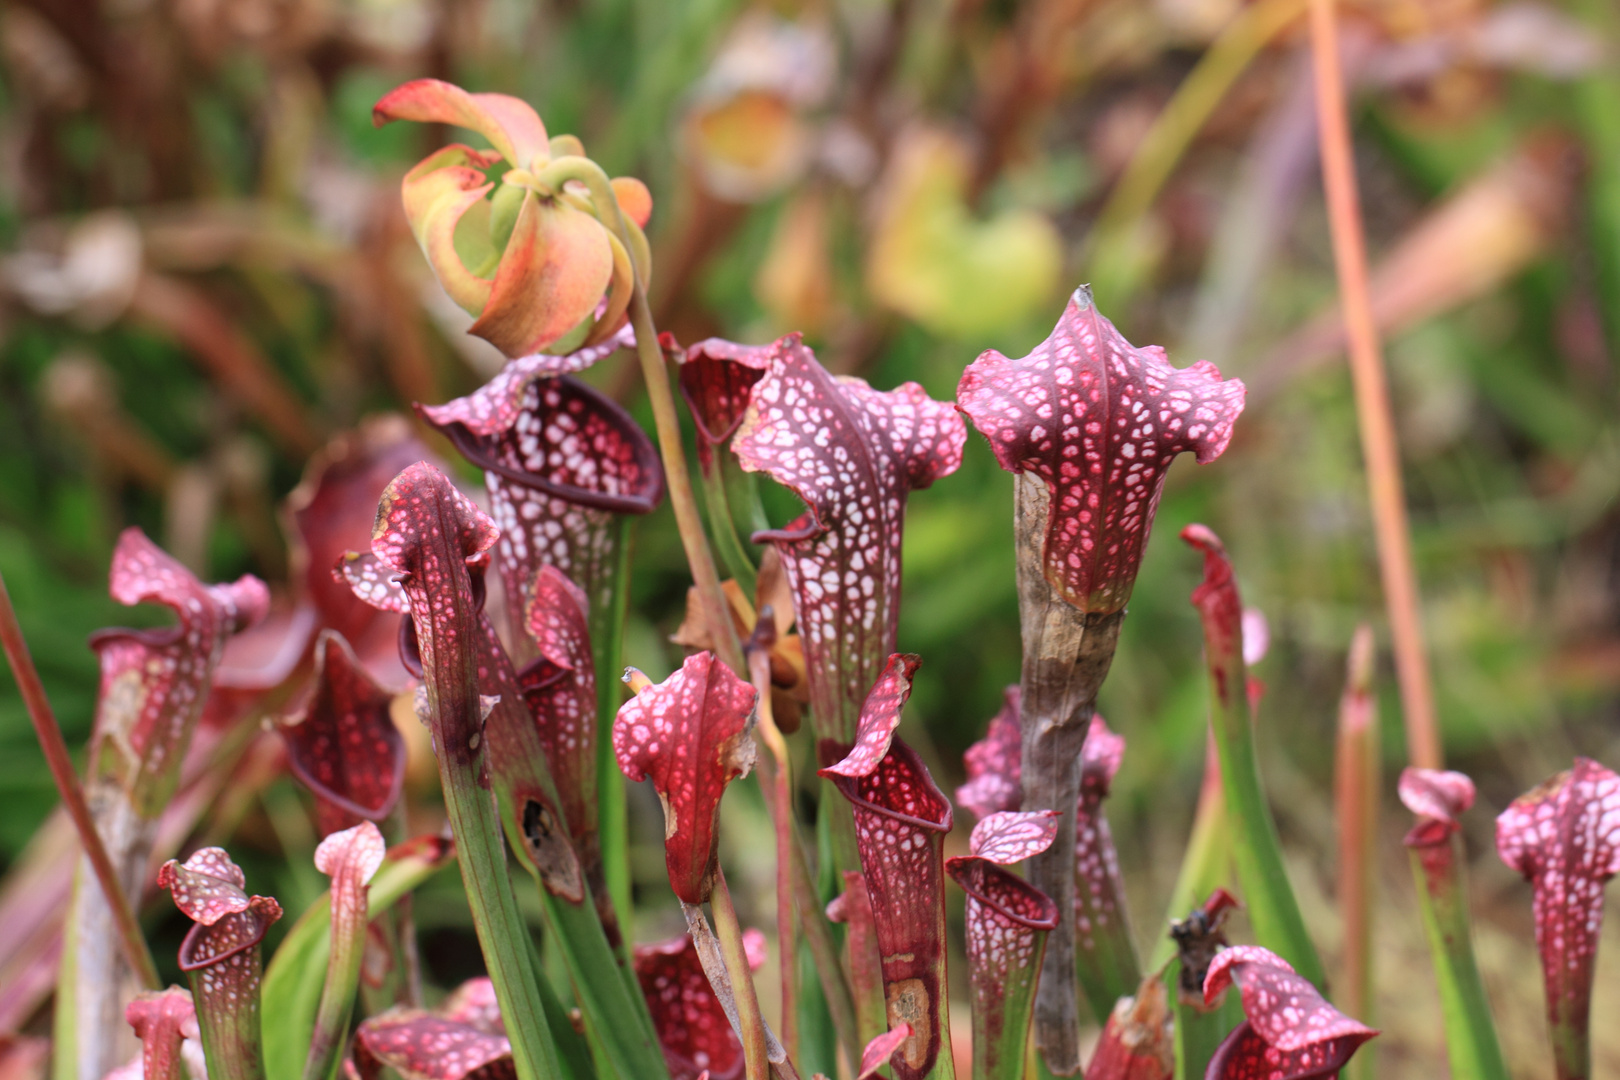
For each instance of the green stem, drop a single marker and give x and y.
(502, 934)
(742, 497)
(688, 521)
(337, 998)
(1256, 848)
(775, 775)
(711, 472)
(613, 827)
(294, 980)
(1206, 863)
(1199, 1031)
(818, 1036)
(616, 1015)
(752, 1022)
(1471, 1044)
(823, 946)
(228, 1023)
(1105, 957)
(574, 1050)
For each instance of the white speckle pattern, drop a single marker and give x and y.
(371, 581)
(154, 683)
(351, 858)
(1436, 794)
(1564, 837)
(493, 408)
(1007, 920)
(560, 689)
(690, 735)
(221, 952)
(342, 744)
(1292, 1033)
(473, 1003)
(880, 715)
(852, 454)
(431, 536)
(560, 461)
(1099, 888)
(161, 1020)
(1011, 836)
(421, 1046)
(207, 886)
(901, 819)
(691, 1024)
(1099, 421)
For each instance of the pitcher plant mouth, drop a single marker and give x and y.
(482, 450)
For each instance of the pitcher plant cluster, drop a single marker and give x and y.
(536, 726)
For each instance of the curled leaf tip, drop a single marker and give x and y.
(154, 683)
(356, 852)
(420, 507)
(162, 1020)
(1220, 606)
(1289, 1032)
(207, 886)
(1011, 836)
(880, 715)
(717, 379)
(510, 124)
(880, 1049)
(1436, 796)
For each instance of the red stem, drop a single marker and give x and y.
(1378, 440)
(779, 782)
(67, 783)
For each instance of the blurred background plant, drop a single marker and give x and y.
(206, 275)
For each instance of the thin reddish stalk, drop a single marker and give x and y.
(752, 1025)
(1356, 795)
(1378, 440)
(688, 520)
(778, 782)
(67, 783)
